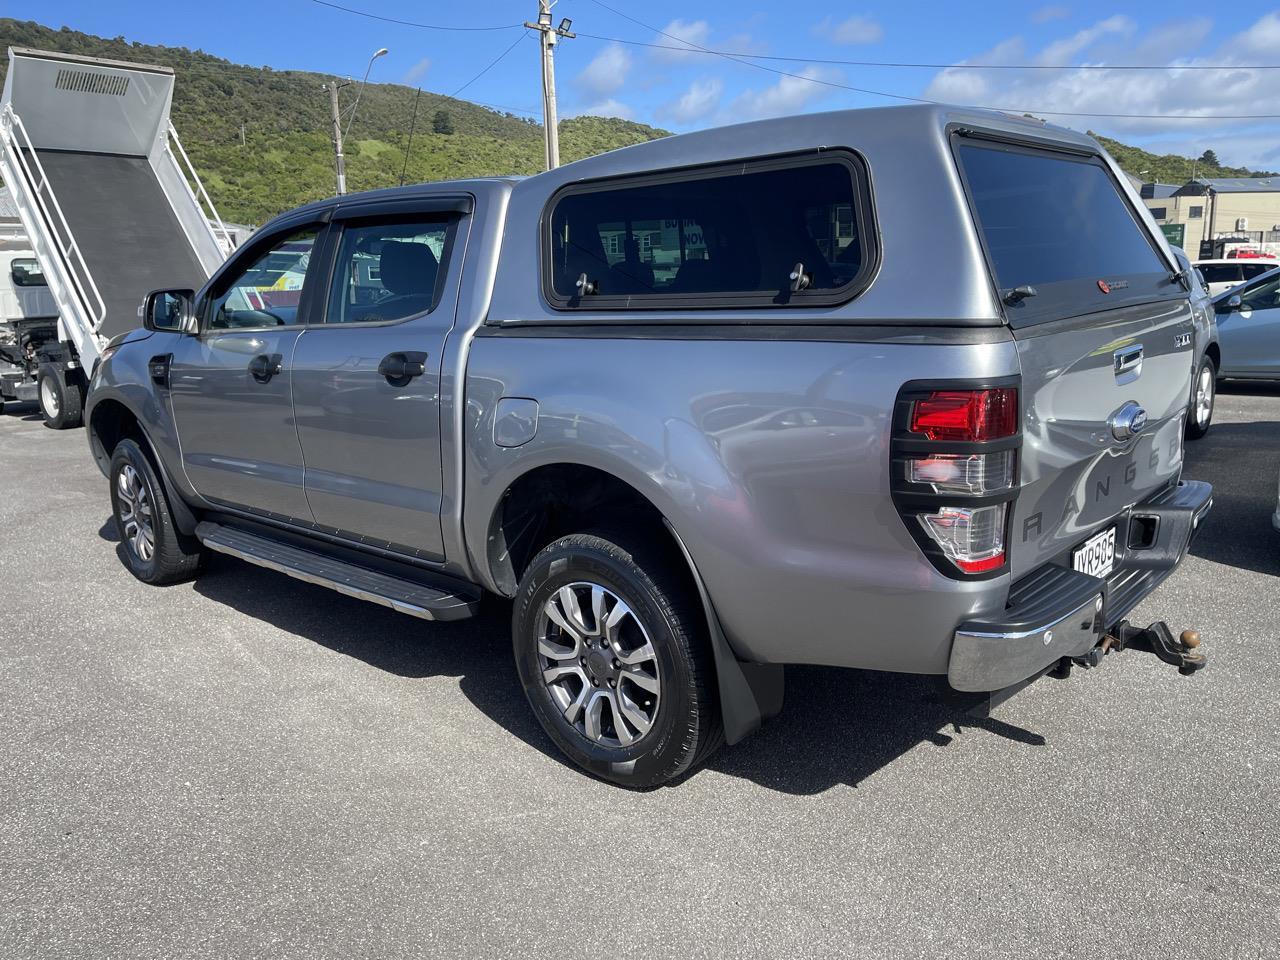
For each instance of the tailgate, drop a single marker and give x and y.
(1104, 331)
(1076, 475)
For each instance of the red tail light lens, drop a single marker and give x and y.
(967, 415)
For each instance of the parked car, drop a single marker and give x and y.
(1207, 351)
(1248, 321)
(783, 446)
(1221, 275)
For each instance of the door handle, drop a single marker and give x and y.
(263, 368)
(400, 368)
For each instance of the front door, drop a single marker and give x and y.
(366, 381)
(231, 384)
(1250, 336)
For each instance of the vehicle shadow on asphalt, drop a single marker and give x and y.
(838, 726)
(1242, 461)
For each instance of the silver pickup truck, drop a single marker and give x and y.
(901, 390)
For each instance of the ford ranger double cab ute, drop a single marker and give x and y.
(698, 409)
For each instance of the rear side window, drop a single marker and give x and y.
(1221, 273)
(388, 271)
(1057, 223)
(731, 235)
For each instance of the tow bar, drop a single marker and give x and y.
(1183, 653)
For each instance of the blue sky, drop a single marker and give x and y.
(684, 89)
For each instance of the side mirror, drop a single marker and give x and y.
(167, 310)
(1233, 303)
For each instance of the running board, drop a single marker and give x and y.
(404, 596)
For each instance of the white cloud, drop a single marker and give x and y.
(1233, 90)
(611, 107)
(1051, 12)
(606, 73)
(416, 72)
(679, 32)
(855, 30)
(791, 94)
(699, 101)
(1062, 51)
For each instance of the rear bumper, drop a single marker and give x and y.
(1057, 612)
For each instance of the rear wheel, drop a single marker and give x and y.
(155, 551)
(1203, 391)
(612, 654)
(60, 403)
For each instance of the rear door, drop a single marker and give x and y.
(1106, 328)
(366, 378)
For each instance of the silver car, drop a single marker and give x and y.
(1248, 319)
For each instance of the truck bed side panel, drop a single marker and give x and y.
(771, 461)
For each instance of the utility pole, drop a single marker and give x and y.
(337, 137)
(549, 37)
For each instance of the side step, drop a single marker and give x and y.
(405, 596)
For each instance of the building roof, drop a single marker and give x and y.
(1158, 191)
(1202, 185)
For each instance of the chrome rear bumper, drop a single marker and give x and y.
(1056, 612)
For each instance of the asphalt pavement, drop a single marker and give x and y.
(249, 766)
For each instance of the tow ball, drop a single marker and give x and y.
(1183, 653)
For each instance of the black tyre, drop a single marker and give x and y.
(155, 551)
(1204, 389)
(61, 403)
(612, 652)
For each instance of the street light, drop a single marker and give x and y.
(380, 52)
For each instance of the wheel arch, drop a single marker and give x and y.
(110, 421)
(552, 500)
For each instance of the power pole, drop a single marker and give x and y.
(549, 37)
(337, 137)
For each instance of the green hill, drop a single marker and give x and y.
(1169, 167)
(287, 155)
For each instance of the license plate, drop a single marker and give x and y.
(1097, 555)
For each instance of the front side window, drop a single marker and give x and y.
(712, 237)
(1262, 294)
(1058, 224)
(388, 271)
(27, 273)
(269, 292)
(1252, 270)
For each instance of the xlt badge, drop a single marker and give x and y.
(1181, 340)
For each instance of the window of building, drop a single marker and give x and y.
(727, 235)
(1159, 213)
(1195, 213)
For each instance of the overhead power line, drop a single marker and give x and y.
(413, 23)
(493, 63)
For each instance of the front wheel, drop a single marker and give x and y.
(1203, 389)
(155, 550)
(612, 652)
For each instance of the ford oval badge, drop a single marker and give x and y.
(1129, 421)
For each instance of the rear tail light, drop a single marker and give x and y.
(967, 415)
(971, 538)
(955, 472)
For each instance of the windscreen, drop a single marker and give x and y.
(1057, 224)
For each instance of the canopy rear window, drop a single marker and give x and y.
(1057, 224)
(728, 235)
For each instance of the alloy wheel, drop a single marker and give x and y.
(1204, 396)
(598, 664)
(134, 508)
